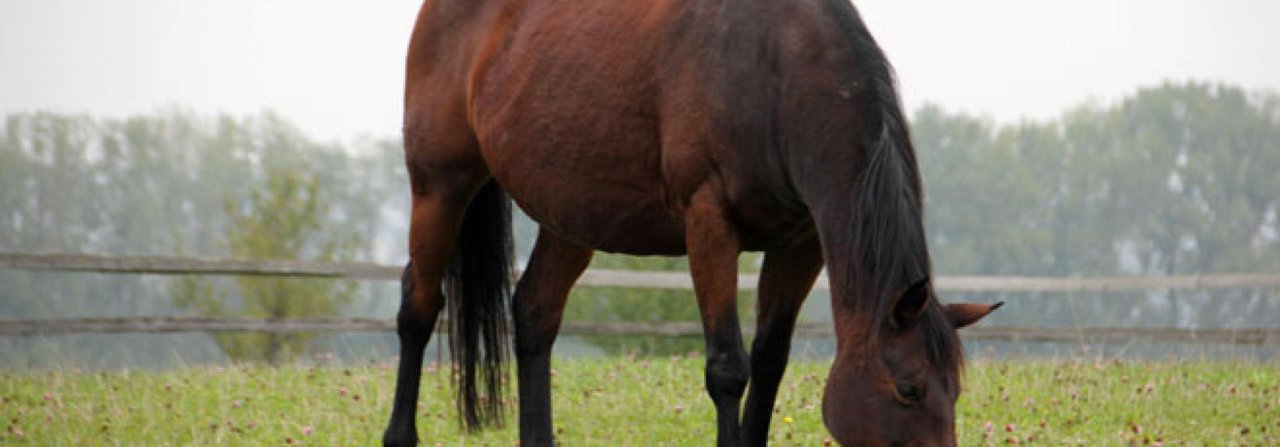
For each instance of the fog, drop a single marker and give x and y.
(1056, 139)
(334, 67)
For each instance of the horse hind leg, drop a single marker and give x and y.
(785, 280)
(438, 210)
(537, 310)
(414, 324)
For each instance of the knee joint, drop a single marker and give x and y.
(411, 325)
(727, 375)
(535, 336)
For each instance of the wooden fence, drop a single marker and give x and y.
(167, 265)
(599, 278)
(1256, 336)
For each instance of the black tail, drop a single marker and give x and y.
(478, 285)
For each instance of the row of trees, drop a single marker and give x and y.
(1176, 179)
(1173, 180)
(1180, 178)
(176, 183)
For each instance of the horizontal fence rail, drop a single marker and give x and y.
(172, 265)
(669, 329)
(168, 265)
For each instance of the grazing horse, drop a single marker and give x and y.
(672, 127)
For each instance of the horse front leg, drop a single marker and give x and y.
(537, 308)
(785, 280)
(713, 245)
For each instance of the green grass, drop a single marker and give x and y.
(621, 401)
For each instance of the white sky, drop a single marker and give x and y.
(335, 67)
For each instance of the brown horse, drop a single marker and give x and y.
(670, 127)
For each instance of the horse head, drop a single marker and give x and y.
(900, 386)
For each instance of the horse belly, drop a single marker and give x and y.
(591, 178)
(604, 201)
(616, 226)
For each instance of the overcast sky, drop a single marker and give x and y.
(335, 67)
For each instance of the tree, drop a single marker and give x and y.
(285, 220)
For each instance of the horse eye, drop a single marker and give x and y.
(909, 392)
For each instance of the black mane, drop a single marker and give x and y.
(892, 253)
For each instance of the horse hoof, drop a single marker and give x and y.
(399, 440)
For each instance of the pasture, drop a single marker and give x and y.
(633, 401)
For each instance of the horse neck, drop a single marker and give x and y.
(871, 225)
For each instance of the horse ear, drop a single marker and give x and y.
(910, 304)
(965, 314)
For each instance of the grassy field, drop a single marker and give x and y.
(638, 402)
